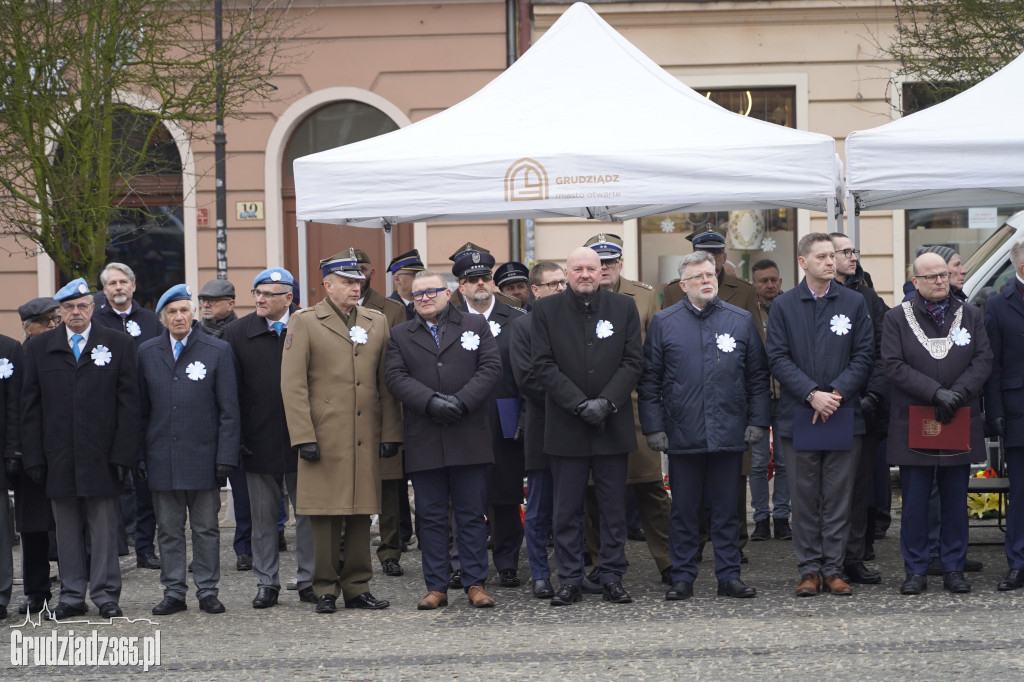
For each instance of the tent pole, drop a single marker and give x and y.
(830, 216)
(839, 216)
(389, 249)
(303, 262)
(855, 226)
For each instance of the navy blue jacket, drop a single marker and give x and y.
(1004, 390)
(146, 324)
(189, 411)
(705, 378)
(825, 344)
(12, 370)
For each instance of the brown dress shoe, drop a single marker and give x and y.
(478, 597)
(837, 585)
(809, 585)
(433, 600)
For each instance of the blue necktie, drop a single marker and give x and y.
(75, 339)
(178, 345)
(433, 330)
(278, 326)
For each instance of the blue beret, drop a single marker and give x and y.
(76, 288)
(273, 276)
(179, 292)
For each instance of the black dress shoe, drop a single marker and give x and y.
(367, 601)
(111, 610)
(914, 584)
(326, 604)
(455, 582)
(282, 544)
(168, 606)
(542, 589)
(857, 572)
(956, 583)
(783, 530)
(591, 585)
(509, 578)
(211, 604)
(392, 567)
(307, 595)
(265, 598)
(147, 561)
(736, 588)
(1013, 580)
(33, 604)
(3, 612)
(567, 594)
(244, 562)
(67, 611)
(679, 591)
(616, 593)
(666, 576)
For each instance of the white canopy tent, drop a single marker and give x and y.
(966, 151)
(584, 124)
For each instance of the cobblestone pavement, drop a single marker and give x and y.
(875, 634)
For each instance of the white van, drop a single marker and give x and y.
(989, 268)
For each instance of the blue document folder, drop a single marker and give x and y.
(834, 434)
(508, 413)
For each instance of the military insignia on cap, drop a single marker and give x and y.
(6, 368)
(83, 289)
(101, 355)
(188, 290)
(276, 276)
(476, 257)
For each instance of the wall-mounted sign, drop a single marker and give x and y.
(249, 210)
(202, 217)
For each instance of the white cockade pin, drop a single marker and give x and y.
(604, 329)
(358, 335)
(6, 368)
(133, 328)
(101, 355)
(840, 325)
(470, 340)
(961, 337)
(196, 371)
(495, 327)
(726, 343)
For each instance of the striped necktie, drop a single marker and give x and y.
(433, 330)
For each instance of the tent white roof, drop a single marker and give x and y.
(584, 124)
(966, 151)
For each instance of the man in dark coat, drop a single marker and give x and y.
(874, 407)
(588, 357)
(473, 270)
(189, 445)
(821, 350)
(11, 370)
(703, 398)
(80, 433)
(120, 311)
(1004, 404)
(546, 278)
(442, 366)
(936, 352)
(268, 458)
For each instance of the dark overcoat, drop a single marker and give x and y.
(914, 376)
(189, 411)
(140, 324)
(80, 419)
(521, 357)
(12, 371)
(877, 383)
(1004, 390)
(467, 364)
(705, 378)
(266, 445)
(587, 350)
(391, 468)
(505, 477)
(823, 344)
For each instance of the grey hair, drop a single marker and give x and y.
(423, 274)
(696, 258)
(116, 266)
(1017, 254)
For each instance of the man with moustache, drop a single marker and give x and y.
(80, 435)
(821, 351)
(936, 353)
(443, 366)
(704, 398)
(588, 357)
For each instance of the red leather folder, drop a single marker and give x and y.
(926, 433)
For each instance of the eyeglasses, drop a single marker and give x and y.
(75, 306)
(46, 321)
(848, 253)
(556, 284)
(257, 293)
(477, 278)
(932, 279)
(427, 293)
(610, 262)
(703, 277)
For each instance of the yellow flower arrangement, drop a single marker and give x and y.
(986, 505)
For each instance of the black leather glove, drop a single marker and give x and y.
(142, 471)
(946, 403)
(753, 435)
(309, 452)
(457, 402)
(121, 471)
(222, 472)
(594, 411)
(12, 465)
(389, 450)
(998, 426)
(442, 410)
(657, 441)
(37, 474)
(869, 406)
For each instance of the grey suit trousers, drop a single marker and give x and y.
(264, 503)
(202, 507)
(100, 515)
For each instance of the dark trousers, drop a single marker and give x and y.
(465, 487)
(880, 508)
(856, 543)
(741, 514)
(507, 533)
(917, 487)
(388, 520)
(653, 509)
(539, 506)
(145, 518)
(570, 475)
(354, 578)
(243, 516)
(712, 477)
(1015, 512)
(35, 563)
